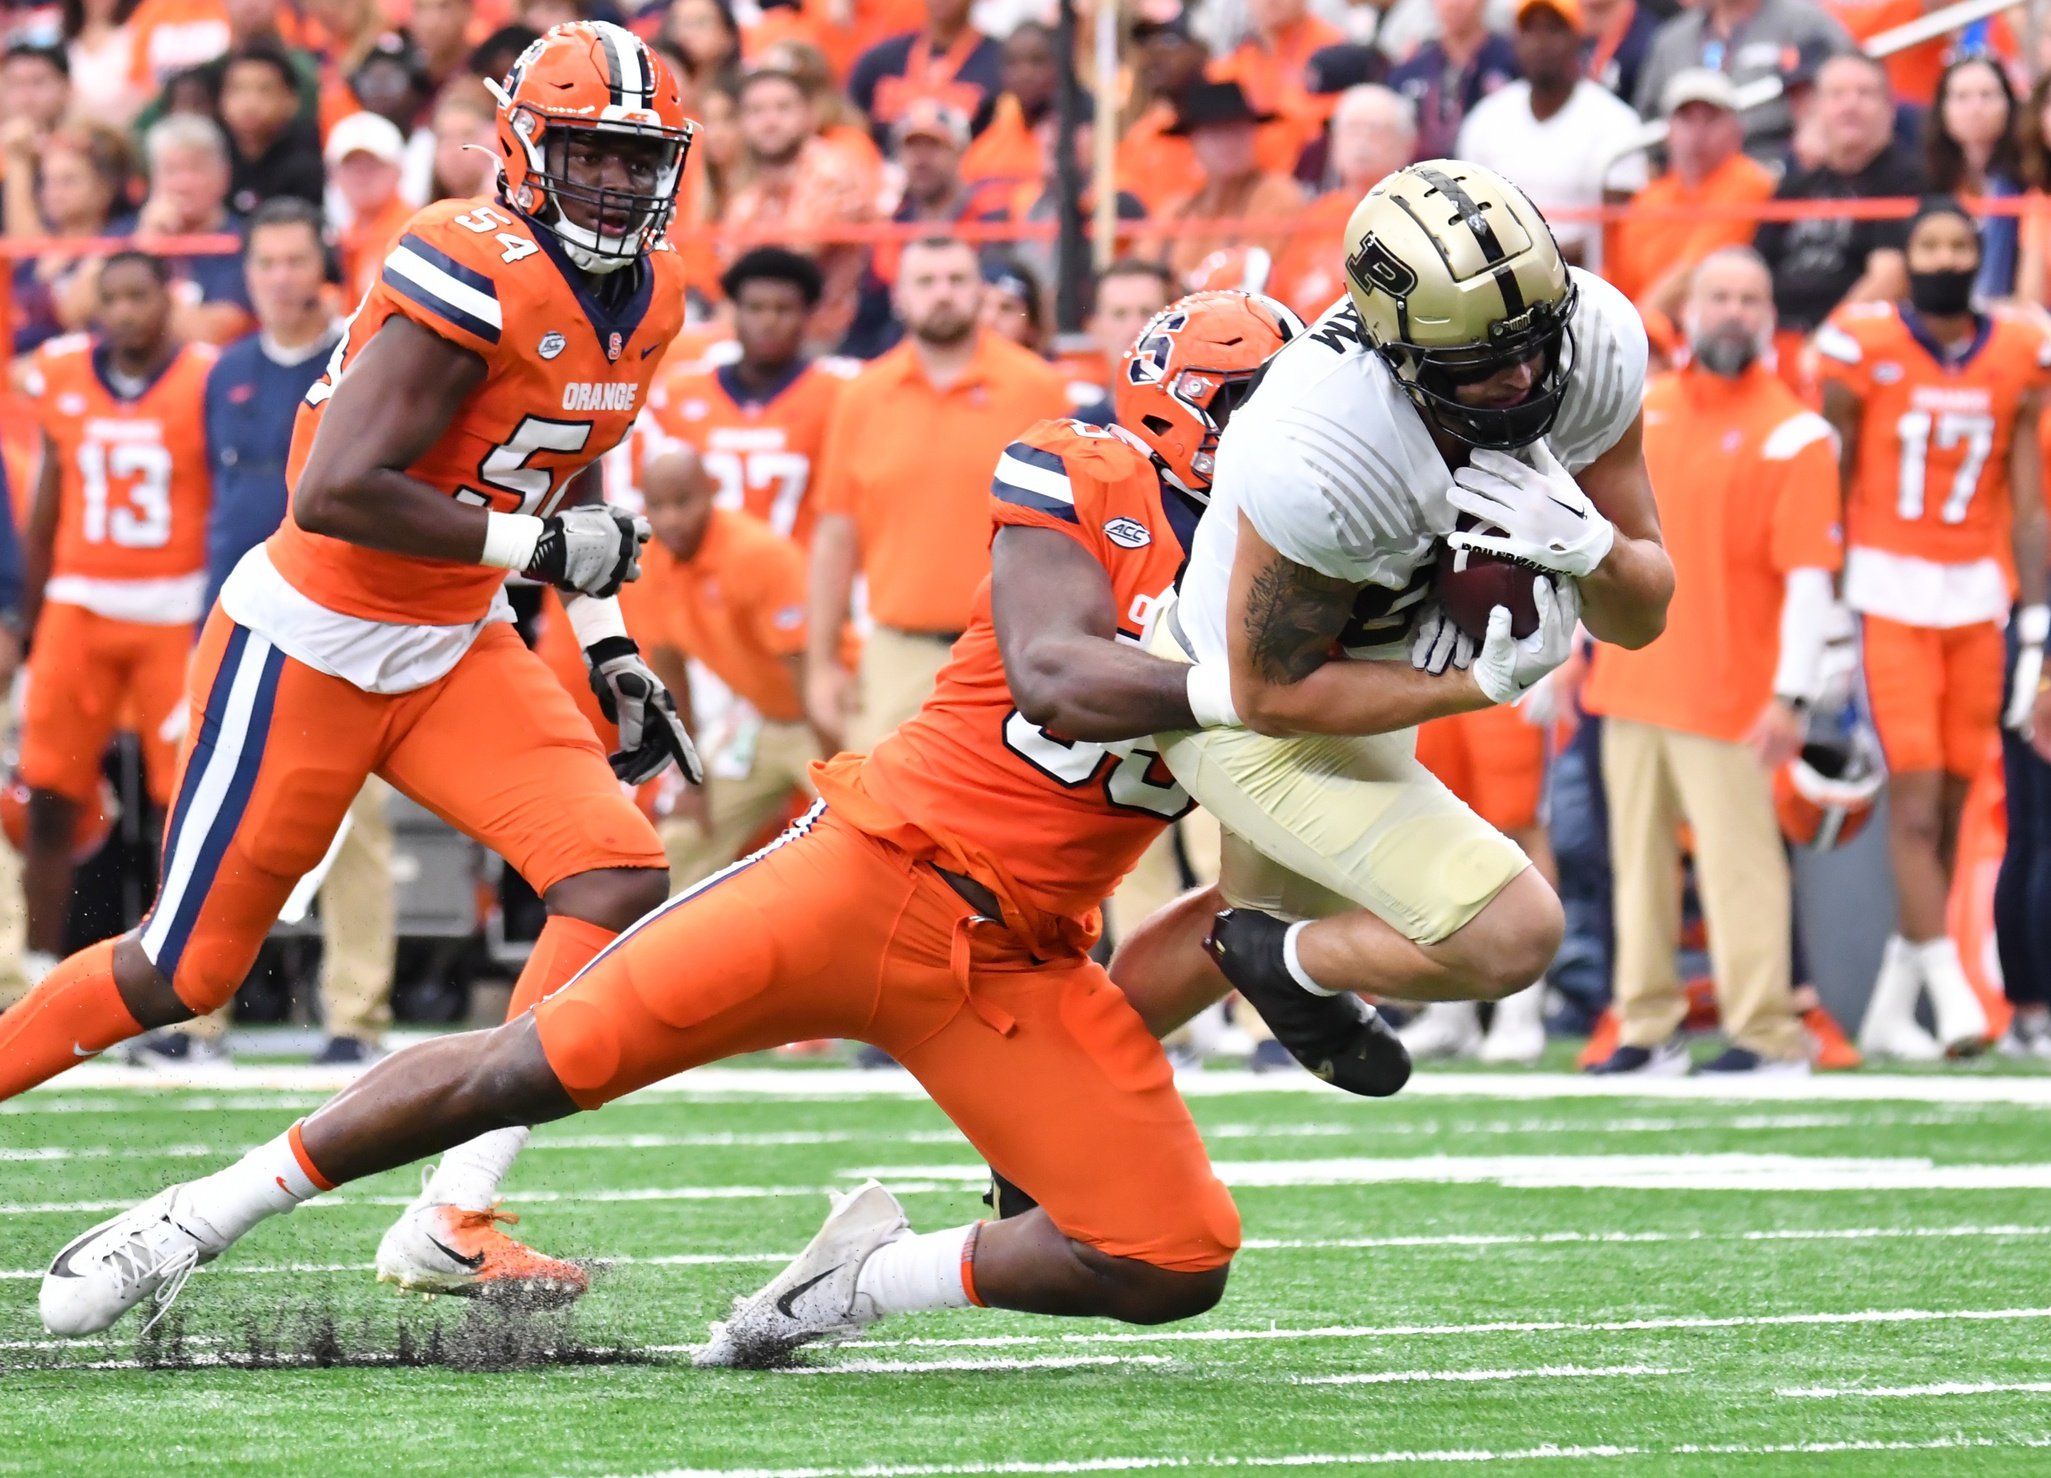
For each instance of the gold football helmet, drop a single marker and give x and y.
(1456, 277)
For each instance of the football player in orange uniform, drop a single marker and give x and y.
(1936, 405)
(115, 568)
(759, 423)
(939, 902)
(507, 345)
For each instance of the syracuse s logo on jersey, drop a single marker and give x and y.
(613, 346)
(552, 344)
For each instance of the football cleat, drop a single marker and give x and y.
(1517, 1035)
(1830, 1049)
(814, 1299)
(1339, 1038)
(1443, 1030)
(101, 1274)
(1006, 1200)
(1745, 1060)
(1668, 1060)
(446, 1249)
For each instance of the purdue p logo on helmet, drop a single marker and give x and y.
(1456, 277)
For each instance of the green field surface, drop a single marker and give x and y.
(1490, 1271)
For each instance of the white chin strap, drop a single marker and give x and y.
(580, 246)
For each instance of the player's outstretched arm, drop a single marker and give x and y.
(1057, 628)
(1282, 626)
(400, 393)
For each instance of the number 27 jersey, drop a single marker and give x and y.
(566, 373)
(1048, 823)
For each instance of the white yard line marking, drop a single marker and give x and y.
(913, 1367)
(1396, 1331)
(1416, 1377)
(1257, 1244)
(1941, 1388)
(1360, 1459)
(803, 1084)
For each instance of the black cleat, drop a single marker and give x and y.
(1339, 1038)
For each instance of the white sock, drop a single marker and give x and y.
(1938, 960)
(469, 1175)
(916, 1272)
(1293, 963)
(266, 1182)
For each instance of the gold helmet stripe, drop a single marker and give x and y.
(1476, 221)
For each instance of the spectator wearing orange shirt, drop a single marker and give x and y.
(723, 592)
(1221, 126)
(1009, 150)
(1154, 162)
(1653, 256)
(903, 497)
(1696, 725)
(173, 36)
(704, 34)
(799, 184)
(1271, 65)
(947, 59)
(364, 153)
(1374, 133)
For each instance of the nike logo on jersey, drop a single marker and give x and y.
(472, 1263)
(653, 347)
(602, 395)
(783, 1304)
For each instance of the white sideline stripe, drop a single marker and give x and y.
(1689, 1172)
(800, 1085)
(648, 1193)
(1251, 1244)
(1360, 1459)
(803, 1138)
(1941, 1388)
(1537, 1372)
(913, 1367)
(1393, 1331)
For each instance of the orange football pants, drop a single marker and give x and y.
(1934, 692)
(1491, 759)
(277, 751)
(830, 932)
(88, 676)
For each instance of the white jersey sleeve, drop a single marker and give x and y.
(1606, 382)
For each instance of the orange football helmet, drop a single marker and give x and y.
(1189, 369)
(591, 88)
(90, 828)
(1825, 795)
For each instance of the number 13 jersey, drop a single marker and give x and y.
(1930, 482)
(1048, 823)
(566, 373)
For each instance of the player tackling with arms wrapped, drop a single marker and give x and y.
(507, 345)
(1469, 371)
(940, 903)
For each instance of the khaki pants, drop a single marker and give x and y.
(359, 926)
(13, 928)
(897, 673)
(1657, 779)
(740, 806)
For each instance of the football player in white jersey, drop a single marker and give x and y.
(1468, 371)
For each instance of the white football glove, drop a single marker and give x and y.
(651, 734)
(1508, 667)
(1546, 519)
(2031, 626)
(1439, 643)
(592, 549)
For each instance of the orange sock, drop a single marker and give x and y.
(566, 946)
(77, 1012)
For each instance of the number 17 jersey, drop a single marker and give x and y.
(566, 372)
(1048, 823)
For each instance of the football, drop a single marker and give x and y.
(1471, 584)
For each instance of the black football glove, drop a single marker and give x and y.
(592, 549)
(651, 734)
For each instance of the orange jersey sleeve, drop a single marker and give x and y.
(762, 448)
(1051, 824)
(565, 376)
(133, 482)
(1930, 477)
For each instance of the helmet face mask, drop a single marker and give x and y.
(1456, 279)
(592, 141)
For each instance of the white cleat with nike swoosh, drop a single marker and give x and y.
(101, 1274)
(813, 1300)
(436, 1248)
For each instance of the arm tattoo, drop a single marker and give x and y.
(1293, 615)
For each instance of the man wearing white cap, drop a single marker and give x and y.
(364, 155)
(1678, 223)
